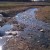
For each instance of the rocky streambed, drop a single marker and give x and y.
(25, 32)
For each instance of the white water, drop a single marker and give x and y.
(0, 47)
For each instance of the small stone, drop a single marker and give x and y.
(38, 41)
(14, 34)
(29, 37)
(42, 30)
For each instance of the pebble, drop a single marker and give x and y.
(42, 30)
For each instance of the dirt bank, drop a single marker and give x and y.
(43, 14)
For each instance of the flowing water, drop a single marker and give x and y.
(2, 33)
(34, 26)
(33, 30)
(28, 18)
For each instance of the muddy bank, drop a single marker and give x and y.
(13, 11)
(43, 14)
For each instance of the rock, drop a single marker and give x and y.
(2, 23)
(1, 17)
(19, 27)
(42, 30)
(5, 14)
(1, 20)
(14, 33)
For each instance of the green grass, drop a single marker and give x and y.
(13, 3)
(8, 4)
(22, 3)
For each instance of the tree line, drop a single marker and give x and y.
(17, 0)
(22, 0)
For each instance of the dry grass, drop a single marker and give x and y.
(43, 14)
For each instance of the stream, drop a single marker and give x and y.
(32, 31)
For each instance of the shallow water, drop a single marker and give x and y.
(6, 27)
(32, 32)
(0, 47)
(2, 33)
(2, 42)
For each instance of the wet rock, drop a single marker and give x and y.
(4, 14)
(1, 20)
(11, 32)
(19, 27)
(1, 17)
(2, 23)
(14, 33)
(42, 30)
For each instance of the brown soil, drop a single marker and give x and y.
(12, 11)
(16, 44)
(19, 43)
(44, 14)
